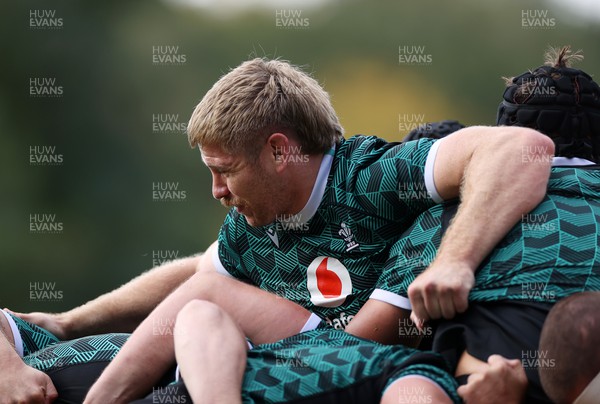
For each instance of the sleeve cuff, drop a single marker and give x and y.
(312, 323)
(218, 264)
(391, 298)
(18, 341)
(429, 179)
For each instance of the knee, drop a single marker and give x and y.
(199, 312)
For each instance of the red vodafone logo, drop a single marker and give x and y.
(328, 282)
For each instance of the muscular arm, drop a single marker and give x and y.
(500, 174)
(121, 310)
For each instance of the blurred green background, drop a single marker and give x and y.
(99, 223)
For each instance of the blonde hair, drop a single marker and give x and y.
(258, 98)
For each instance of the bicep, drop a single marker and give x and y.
(206, 262)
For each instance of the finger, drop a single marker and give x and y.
(461, 300)
(514, 363)
(496, 360)
(466, 390)
(417, 303)
(446, 302)
(416, 321)
(51, 393)
(463, 392)
(431, 302)
(17, 314)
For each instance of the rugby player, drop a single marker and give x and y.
(74, 365)
(368, 172)
(570, 339)
(315, 215)
(552, 253)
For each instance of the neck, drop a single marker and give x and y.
(302, 181)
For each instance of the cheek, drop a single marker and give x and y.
(242, 186)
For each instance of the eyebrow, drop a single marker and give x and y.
(220, 168)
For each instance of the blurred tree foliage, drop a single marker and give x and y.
(102, 125)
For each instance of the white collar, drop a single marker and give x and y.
(317, 193)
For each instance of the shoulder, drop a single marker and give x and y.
(363, 150)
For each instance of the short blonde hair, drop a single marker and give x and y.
(258, 98)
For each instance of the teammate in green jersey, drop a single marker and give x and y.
(552, 253)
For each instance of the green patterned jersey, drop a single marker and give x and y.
(552, 253)
(329, 257)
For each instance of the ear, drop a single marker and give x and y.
(280, 148)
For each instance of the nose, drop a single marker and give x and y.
(219, 186)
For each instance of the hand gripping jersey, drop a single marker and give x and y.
(329, 257)
(552, 253)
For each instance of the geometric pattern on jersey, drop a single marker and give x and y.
(34, 337)
(552, 253)
(95, 348)
(316, 362)
(374, 190)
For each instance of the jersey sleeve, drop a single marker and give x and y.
(409, 257)
(227, 259)
(394, 180)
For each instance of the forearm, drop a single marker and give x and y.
(123, 309)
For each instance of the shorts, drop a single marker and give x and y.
(75, 365)
(508, 328)
(326, 366)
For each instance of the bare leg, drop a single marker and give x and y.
(262, 316)
(211, 353)
(414, 390)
